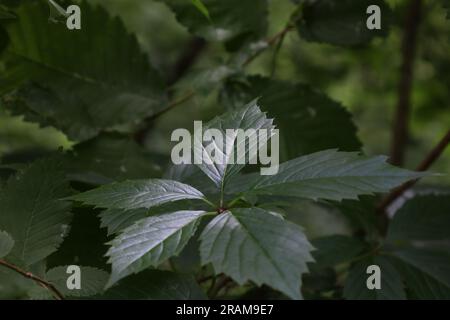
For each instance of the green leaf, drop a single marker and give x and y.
(202, 8)
(422, 286)
(150, 242)
(336, 249)
(156, 285)
(109, 158)
(60, 83)
(247, 117)
(253, 244)
(332, 175)
(324, 123)
(234, 21)
(419, 235)
(391, 282)
(116, 220)
(6, 244)
(133, 194)
(92, 281)
(341, 22)
(32, 212)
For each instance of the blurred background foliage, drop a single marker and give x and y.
(363, 79)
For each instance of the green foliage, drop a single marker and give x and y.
(51, 66)
(138, 194)
(92, 282)
(341, 22)
(325, 123)
(238, 237)
(151, 241)
(330, 175)
(233, 21)
(111, 202)
(32, 211)
(235, 239)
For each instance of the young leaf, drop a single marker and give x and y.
(6, 244)
(418, 235)
(341, 22)
(32, 212)
(151, 241)
(253, 244)
(391, 286)
(92, 281)
(62, 84)
(247, 117)
(155, 285)
(332, 175)
(134, 194)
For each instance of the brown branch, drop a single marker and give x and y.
(424, 165)
(29, 275)
(401, 118)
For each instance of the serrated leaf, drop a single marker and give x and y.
(336, 249)
(391, 282)
(419, 235)
(6, 244)
(324, 123)
(118, 219)
(60, 83)
(32, 212)
(234, 21)
(247, 117)
(156, 285)
(252, 244)
(134, 194)
(341, 22)
(151, 241)
(92, 281)
(332, 175)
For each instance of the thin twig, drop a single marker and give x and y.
(424, 165)
(31, 276)
(270, 41)
(401, 119)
